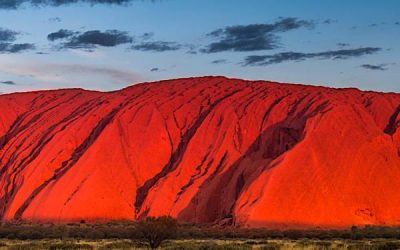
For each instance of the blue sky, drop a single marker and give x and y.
(332, 43)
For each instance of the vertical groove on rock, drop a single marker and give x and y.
(76, 155)
(177, 156)
(197, 149)
(47, 136)
(393, 123)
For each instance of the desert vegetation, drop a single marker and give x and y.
(166, 233)
(156, 230)
(210, 244)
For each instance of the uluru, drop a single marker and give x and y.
(202, 150)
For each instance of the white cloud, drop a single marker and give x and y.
(70, 73)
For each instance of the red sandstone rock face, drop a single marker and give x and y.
(209, 149)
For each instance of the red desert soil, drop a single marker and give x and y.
(206, 150)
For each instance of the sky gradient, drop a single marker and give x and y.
(48, 44)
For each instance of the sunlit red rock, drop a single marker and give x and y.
(206, 150)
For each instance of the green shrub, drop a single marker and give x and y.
(131, 230)
(155, 230)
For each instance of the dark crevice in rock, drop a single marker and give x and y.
(37, 149)
(177, 156)
(76, 155)
(393, 123)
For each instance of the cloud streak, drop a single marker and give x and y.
(9, 48)
(157, 46)
(7, 35)
(64, 73)
(61, 34)
(89, 39)
(253, 37)
(219, 61)
(8, 82)
(16, 4)
(380, 67)
(262, 60)
(55, 19)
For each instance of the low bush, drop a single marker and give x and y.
(155, 230)
(131, 230)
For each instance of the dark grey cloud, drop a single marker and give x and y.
(157, 46)
(55, 19)
(343, 44)
(329, 21)
(15, 48)
(380, 67)
(147, 35)
(15, 4)
(377, 24)
(7, 35)
(61, 34)
(252, 37)
(260, 60)
(8, 82)
(7, 45)
(145, 42)
(154, 69)
(109, 38)
(219, 61)
(90, 39)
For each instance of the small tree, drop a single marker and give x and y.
(355, 233)
(157, 229)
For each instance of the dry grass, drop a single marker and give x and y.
(306, 244)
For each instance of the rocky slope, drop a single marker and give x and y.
(210, 149)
